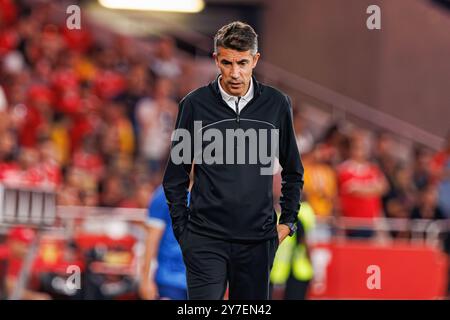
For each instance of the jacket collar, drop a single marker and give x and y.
(246, 97)
(214, 85)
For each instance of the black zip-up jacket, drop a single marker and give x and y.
(234, 201)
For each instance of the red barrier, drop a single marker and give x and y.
(365, 271)
(87, 241)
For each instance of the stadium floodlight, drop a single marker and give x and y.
(190, 6)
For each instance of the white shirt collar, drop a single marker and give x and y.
(227, 97)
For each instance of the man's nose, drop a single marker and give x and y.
(235, 72)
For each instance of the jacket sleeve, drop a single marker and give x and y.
(292, 167)
(176, 175)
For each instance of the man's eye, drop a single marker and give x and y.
(226, 63)
(243, 63)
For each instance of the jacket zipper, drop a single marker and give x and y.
(256, 95)
(237, 110)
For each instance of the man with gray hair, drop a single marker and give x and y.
(229, 232)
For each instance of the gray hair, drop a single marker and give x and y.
(238, 36)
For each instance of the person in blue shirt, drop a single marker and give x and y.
(164, 273)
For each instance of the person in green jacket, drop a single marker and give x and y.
(292, 266)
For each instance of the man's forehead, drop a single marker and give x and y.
(233, 55)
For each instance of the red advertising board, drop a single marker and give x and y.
(356, 270)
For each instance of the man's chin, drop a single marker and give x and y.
(235, 90)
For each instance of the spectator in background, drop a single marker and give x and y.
(8, 12)
(85, 120)
(188, 81)
(108, 84)
(336, 143)
(361, 186)
(125, 56)
(48, 165)
(292, 265)
(138, 82)
(320, 181)
(305, 139)
(19, 241)
(122, 128)
(163, 270)
(165, 64)
(37, 115)
(59, 134)
(90, 198)
(3, 101)
(8, 155)
(69, 196)
(401, 197)
(156, 118)
(117, 137)
(142, 194)
(422, 167)
(427, 206)
(113, 191)
(28, 173)
(8, 147)
(16, 94)
(383, 156)
(441, 170)
(122, 165)
(34, 167)
(402, 189)
(89, 159)
(76, 181)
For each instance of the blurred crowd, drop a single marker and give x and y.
(360, 174)
(91, 119)
(94, 120)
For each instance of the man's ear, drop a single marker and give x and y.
(216, 58)
(255, 59)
